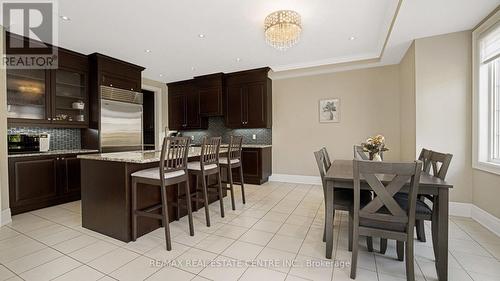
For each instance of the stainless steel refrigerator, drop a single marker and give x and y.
(121, 120)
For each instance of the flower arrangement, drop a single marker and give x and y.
(374, 146)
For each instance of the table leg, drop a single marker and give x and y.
(329, 219)
(442, 233)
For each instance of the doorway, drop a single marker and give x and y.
(148, 119)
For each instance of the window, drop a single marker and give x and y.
(494, 77)
(486, 86)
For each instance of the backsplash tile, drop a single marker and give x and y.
(59, 138)
(217, 128)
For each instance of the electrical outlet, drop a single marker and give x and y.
(254, 137)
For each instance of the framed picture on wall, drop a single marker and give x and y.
(329, 110)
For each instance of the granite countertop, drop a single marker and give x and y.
(244, 145)
(140, 157)
(54, 152)
(150, 156)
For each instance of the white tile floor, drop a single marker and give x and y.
(275, 236)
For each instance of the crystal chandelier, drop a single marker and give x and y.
(282, 29)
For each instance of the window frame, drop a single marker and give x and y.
(482, 115)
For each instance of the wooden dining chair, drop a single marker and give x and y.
(343, 198)
(439, 163)
(207, 165)
(172, 171)
(233, 161)
(384, 217)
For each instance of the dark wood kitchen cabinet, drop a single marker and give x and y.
(257, 164)
(248, 99)
(184, 106)
(41, 181)
(210, 89)
(48, 97)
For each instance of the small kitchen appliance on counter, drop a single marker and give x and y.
(44, 142)
(23, 143)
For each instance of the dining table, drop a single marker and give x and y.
(340, 175)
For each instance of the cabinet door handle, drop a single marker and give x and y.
(62, 158)
(49, 118)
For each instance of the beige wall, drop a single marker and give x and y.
(485, 192)
(4, 182)
(369, 105)
(407, 104)
(443, 104)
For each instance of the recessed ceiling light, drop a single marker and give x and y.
(65, 18)
(147, 51)
(193, 68)
(352, 38)
(161, 75)
(238, 59)
(201, 35)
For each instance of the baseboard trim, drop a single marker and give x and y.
(5, 217)
(457, 209)
(486, 219)
(295, 179)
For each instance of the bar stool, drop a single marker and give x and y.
(232, 161)
(208, 165)
(172, 170)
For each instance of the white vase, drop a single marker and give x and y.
(376, 157)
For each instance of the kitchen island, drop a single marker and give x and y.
(106, 192)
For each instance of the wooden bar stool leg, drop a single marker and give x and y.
(350, 238)
(178, 210)
(230, 178)
(189, 208)
(221, 195)
(197, 182)
(134, 209)
(205, 199)
(242, 184)
(165, 219)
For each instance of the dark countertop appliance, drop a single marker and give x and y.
(23, 143)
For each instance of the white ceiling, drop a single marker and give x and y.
(234, 29)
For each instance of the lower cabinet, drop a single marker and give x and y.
(257, 165)
(42, 181)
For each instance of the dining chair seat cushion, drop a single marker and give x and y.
(154, 173)
(223, 160)
(422, 207)
(197, 166)
(345, 197)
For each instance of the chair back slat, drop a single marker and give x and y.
(437, 161)
(210, 151)
(320, 161)
(359, 153)
(174, 154)
(326, 158)
(235, 146)
(384, 194)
